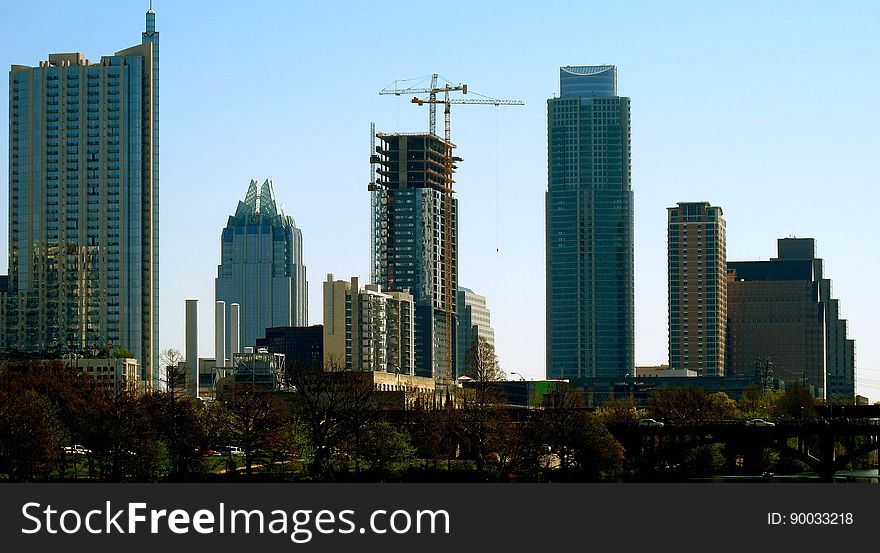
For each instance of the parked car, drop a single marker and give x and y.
(76, 449)
(759, 422)
(650, 422)
(233, 450)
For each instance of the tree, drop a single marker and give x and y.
(484, 412)
(481, 363)
(43, 402)
(688, 405)
(795, 403)
(173, 414)
(334, 405)
(123, 352)
(31, 433)
(255, 414)
(620, 411)
(585, 447)
(384, 444)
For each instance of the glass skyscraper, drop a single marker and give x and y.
(589, 218)
(261, 268)
(84, 204)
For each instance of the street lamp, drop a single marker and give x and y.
(521, 377)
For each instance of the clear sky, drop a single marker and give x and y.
(767, 109)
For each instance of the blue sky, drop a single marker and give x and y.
(767, 109)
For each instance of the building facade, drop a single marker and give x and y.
(589, 228)
(84, 204)
(261, 269)
(781, 314)
(473, 322)
(111, 373)
(366, 329)
(412, 250)
(697, 287)
(302, 346)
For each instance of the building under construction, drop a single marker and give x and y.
(415, 239)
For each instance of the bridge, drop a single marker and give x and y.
(826, 446)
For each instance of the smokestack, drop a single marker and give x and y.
(220, 333)
(192, 343)
(234, 332)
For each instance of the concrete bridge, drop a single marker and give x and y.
(826, 446)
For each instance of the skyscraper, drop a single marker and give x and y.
(261, 268)
(84, 203)
(410, 244)
(781, 310)
(589, 218)
(473, 322)
(697, 287)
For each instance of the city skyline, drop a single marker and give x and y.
(689, 142)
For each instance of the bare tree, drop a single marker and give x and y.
(334, 405)
(484, 415)
(255, 414)
(481, 362)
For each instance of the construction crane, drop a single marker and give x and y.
(430, 91)
(449, 296)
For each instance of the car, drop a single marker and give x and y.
(759, 422)
(76, 450)
(650, 422)
(233, 450)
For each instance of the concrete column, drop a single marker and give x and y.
(220, 333)
(192, 344)
(234, 329)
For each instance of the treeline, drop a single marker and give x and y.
(57, 424)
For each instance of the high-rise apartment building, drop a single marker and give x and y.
(261, 268)
(782, 311)
(84, 204)
(473, 322)
(412, 249)
(589, 218)
(367, 329)
(697, 287)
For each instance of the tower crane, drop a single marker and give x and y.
(448, 300)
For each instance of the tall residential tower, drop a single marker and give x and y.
(589, 218)
(84, 203)
(261, 268)
(412, 249)
(697, 288)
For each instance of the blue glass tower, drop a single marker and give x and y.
(84, 204)
(589, 218)
(261, 268)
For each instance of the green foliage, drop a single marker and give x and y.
(686, 405)
(757, 404)
(384, 445)
(620, 411)
(796, 403)
(122, 352)
(704, 460)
